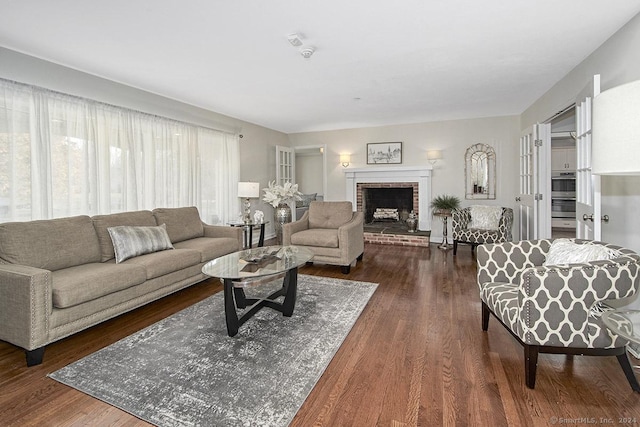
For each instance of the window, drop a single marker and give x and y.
(61, 155)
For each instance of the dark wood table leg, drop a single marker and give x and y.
(291, 289)
(250, 236)
(261, 240)
(229, 308)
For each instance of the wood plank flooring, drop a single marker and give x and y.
(417, 356)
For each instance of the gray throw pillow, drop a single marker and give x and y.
(306, 200)
(131, 241)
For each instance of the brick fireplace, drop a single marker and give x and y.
(418, 179)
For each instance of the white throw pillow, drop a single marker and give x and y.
(485, 217)
(129, 242)
(565, 251)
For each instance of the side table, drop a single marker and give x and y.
(445, 216)
(248, 232)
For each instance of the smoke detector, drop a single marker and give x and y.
(307, 51)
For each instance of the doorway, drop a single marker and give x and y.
(311, 170)
(563, 173)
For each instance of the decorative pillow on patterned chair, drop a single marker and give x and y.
(566, 251)
(131, 241)
(485, 217)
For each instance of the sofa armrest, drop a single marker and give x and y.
(25, 305)
(504, 262)
(224, 231)
(460, 219)
(294, 227)
(351, 237)
(506, 225)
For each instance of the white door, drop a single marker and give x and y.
(534, 201)
(588, 200)
(286, 170)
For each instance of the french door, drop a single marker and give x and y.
(286, 170)
(534, 199)
(588, 196)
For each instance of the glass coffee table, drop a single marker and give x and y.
(624, 322)
(253, 267)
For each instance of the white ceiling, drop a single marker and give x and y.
(377, 62)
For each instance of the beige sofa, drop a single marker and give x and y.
(59, 276)
(331, 230)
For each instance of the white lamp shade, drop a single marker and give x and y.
(345, 158)
(616, 131)
(249, 190)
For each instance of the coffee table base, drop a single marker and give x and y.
(234, 297)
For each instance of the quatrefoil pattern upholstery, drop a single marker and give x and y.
(555, 306)
(461, 233)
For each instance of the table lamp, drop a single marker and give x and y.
(248, 190)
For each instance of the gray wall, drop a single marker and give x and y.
(451, 137)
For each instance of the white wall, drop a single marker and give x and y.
(452, 137)
(618, 62)
(309, 173)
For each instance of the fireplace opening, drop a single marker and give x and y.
(387, 204)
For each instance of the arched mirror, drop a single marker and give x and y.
(480, 172)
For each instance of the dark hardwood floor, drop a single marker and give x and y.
(417, 356)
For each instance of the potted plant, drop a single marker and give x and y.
(444, 204)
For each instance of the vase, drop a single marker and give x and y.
(283, 216)
(412, 222)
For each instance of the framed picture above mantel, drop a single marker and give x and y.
(384, 153)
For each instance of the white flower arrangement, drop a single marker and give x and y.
(276, 194)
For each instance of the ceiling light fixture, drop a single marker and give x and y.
(306, 52)
(295, 40)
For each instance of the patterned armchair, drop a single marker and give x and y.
(462, 231)
(556, 308)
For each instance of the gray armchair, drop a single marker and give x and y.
(462, 230)
(331, 230)
(556, 308)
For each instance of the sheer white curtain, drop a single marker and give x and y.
(61, 155)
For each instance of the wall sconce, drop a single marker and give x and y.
(345, 159)
(433, 156)
(616, 131)
(248, 190)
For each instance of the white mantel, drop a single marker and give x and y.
(374, 174)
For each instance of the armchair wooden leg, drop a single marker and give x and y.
(455, 247)
(623, 359)
(530, 364)
(485, 316)
(360, 256)
(345, 269)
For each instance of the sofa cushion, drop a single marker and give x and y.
(102, 222)
(210, 248)
(322, 237)
(50, 244)
(82, 283)
(182, 223)
(132, 241)
(329, 214)
(160, 263)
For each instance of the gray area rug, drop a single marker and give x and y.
(185, 370)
